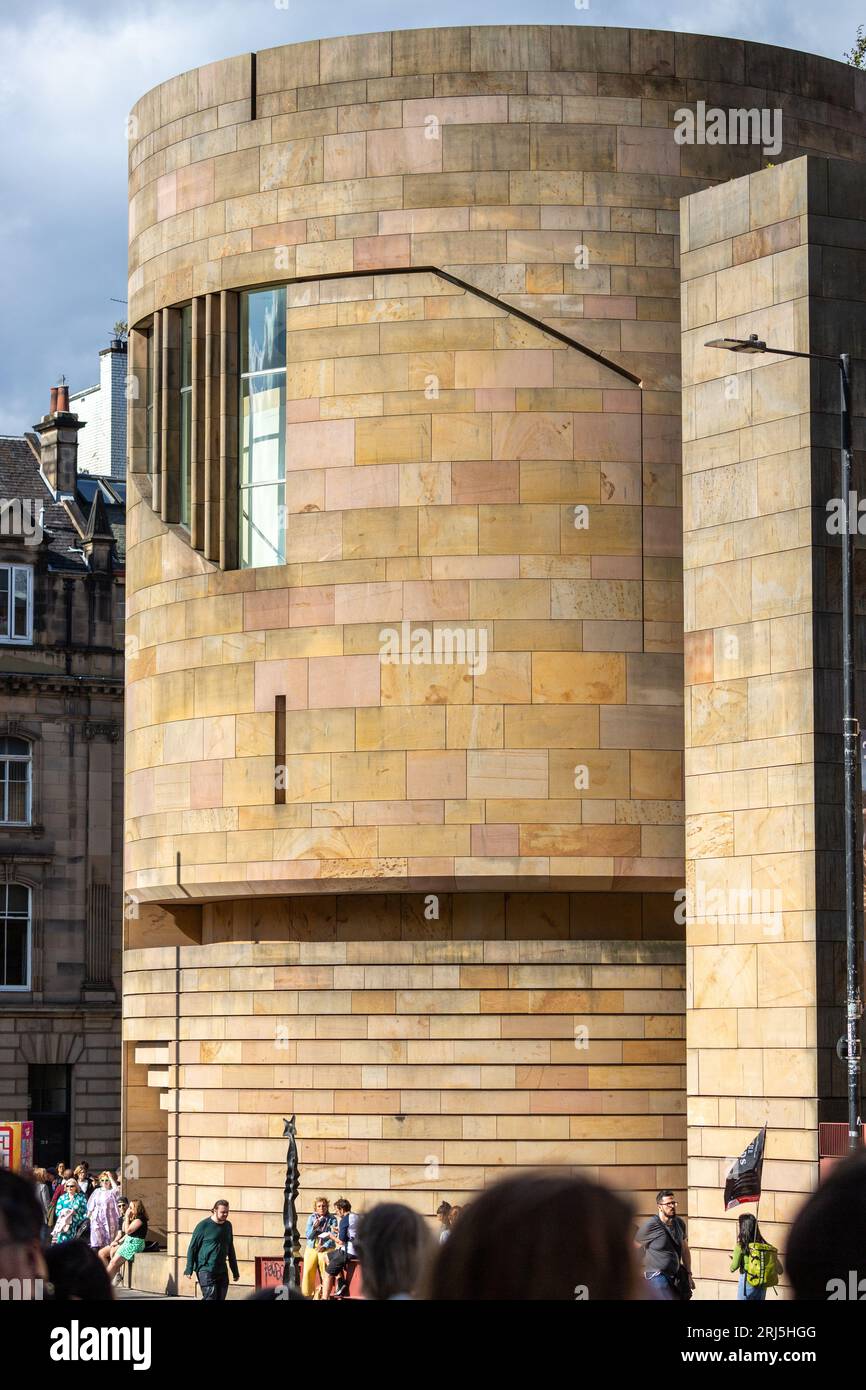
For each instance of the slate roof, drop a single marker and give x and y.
(20, 478)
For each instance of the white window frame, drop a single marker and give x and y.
(28, 949)
(4, 782)
(246, 490)
(11, 571)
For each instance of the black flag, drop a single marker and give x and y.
(743, 1180)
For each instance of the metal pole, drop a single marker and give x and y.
(850, 734)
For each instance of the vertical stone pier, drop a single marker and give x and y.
(779, 254)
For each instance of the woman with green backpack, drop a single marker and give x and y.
(757, 1261)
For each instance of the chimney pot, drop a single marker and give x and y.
(58, 443)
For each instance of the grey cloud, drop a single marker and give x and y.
(71, 72)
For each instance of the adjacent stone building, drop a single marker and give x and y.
(405, 694)
(61, 785)
(102, 410)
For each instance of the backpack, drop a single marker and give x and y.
(761, 1265)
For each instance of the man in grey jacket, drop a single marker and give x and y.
(667, 1262)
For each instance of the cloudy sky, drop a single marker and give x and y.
(72, 70)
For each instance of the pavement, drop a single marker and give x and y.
(122, 1294)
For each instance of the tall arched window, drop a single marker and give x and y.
(14, 936)
(16, 761)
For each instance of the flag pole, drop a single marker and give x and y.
(761, 1187)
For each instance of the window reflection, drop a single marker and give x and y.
(263, 428)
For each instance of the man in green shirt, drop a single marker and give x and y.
(210, 1246)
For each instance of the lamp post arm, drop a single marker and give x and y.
(812, 356)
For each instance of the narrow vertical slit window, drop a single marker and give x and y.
(148, 402)
(263, 428)
(185, 414)
(280, 750)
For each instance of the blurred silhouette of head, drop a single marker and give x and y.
(21, 1221)
(395, 1247)
(77, 1272)
(539, 1236)
(827, 1243)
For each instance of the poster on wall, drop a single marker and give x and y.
(16, 1144)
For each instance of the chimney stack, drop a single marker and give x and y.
(58, 434)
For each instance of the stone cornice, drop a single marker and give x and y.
(60, 682)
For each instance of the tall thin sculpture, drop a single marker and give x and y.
(291, 1237)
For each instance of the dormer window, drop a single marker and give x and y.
(16, 603)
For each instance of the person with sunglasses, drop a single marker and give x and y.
(103, 1211)
(70, 1213)
(667, 1262)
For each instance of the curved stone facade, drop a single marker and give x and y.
(454, 709)
(439, 448)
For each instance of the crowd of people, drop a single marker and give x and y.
(395, 1239)
(88, 1230)
(494, 1248)
(401, 1259)
(70, 1232)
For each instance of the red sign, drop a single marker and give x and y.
(16, 1145)
(269, 1272)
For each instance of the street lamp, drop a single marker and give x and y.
(848, 1047)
